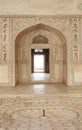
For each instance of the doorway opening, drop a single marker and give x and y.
(40, 64)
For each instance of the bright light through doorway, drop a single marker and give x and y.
(39, 63)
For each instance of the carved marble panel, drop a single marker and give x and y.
(76, 36)
(5, 39)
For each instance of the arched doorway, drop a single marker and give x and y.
(44, 38)
(40, 59)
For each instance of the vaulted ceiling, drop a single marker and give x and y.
(44, 7)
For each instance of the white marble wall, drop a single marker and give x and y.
(67, 28)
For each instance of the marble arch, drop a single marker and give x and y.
(57, 57)
(42, 26)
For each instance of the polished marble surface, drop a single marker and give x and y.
(40, 107)
(47, 88)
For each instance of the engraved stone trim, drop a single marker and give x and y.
(75, 22)
(5, 39)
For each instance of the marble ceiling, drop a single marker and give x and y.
(43, 7)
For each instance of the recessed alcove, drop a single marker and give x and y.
(46, 42)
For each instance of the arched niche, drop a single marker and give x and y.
(40, 39)
(55, 42)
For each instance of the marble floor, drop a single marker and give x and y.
(47, 88)
(40, 107)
